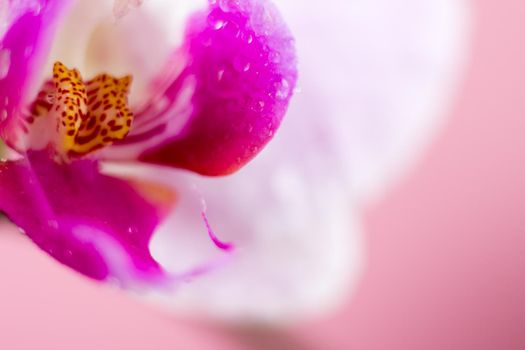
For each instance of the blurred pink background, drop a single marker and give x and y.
(446, 248)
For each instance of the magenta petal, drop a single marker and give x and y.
(24, 46)
(95, 224)
(241, 58)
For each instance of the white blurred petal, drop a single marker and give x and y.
(378, 76)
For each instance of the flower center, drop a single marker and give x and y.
(85, 115)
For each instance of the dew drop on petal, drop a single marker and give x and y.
(282, 89)
(216, 22)
(241, 64)
(258, 106)
(220, 74)
(219, 24)
(274, 57)
(5, 62)
(228, 5)
(248, 37)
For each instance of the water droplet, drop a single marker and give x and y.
(274, 57)
(219, 24)
(258, 106)
(248, 37)
(229, 5)
(232, 28)
(5, 62)
(250, 128)
(220, 74)
(216, 22)
(3, 115)
(52, 224)
(282, 90)
(241, 64)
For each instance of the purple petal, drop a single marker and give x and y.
(242, 69)
(23, 47)
(96, 224)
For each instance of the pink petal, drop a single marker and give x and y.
(240, 68)
(95, 224)
(26, 43)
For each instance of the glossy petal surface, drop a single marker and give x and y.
(240, 67)
(294, 211)
(96, 224)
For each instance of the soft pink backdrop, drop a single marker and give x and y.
(446, 262)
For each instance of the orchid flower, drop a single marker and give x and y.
(376, 78)
(87, 83)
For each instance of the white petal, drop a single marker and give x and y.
(379, 76)
(296, 238)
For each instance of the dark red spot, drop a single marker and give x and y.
(96, 105)
(91, 123)
(82, 140)
(91, 92)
